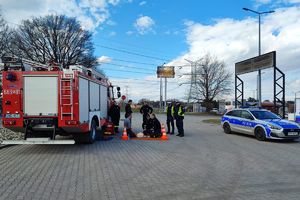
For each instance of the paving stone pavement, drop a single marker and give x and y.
(206, 164)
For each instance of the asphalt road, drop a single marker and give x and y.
(206, 164)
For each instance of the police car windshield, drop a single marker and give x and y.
(264, 115)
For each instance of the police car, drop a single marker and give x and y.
(261, 123)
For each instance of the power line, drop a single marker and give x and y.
(121, 50)
(135, 79)
(133, 53)
(157, 52)
(129, 61)
(136, 62)
(139, 68)
(138, 79)
(124, 51)
(119, 70)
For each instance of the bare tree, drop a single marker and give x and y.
(4, 37)
(211, 79)
(54, 38)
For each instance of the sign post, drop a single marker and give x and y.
(164, 72)
(258, 63)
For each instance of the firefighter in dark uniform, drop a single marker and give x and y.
(115, 114)
(170, 118)
(128, 110)
(154, 127)
(178, 113)
(145, 110)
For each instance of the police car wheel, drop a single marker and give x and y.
(227, 128)
(260, 134)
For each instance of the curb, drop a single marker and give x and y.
(6, 145)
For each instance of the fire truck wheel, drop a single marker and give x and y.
(87, 138)
(93, 132)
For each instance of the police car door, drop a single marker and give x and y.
(247, 122)
(235, 120)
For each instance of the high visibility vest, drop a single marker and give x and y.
(172, 111)
(180, 113)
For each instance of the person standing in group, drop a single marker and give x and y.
(114, 113)
(128, 110)
(178, 113)
(127, 125)
(145, 110)
(170, 118)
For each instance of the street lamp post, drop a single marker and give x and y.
(259, 49)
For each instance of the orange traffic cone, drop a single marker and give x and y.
(125, 136)
(163, 131)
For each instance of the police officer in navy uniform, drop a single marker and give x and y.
(170, 118)
(178, 113)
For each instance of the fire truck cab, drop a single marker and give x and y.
(46, 101)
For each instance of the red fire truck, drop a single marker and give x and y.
(44, 101)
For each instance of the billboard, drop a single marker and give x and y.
(256, 63)
(297, 110)
(165, 72)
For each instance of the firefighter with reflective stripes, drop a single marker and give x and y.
(114, 113)
(178, 113)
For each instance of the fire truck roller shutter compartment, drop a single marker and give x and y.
(94, 96)
(83, 100)
(103, 102)
(40, 95)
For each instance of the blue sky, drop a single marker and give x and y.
(167, 39)
(171, 31)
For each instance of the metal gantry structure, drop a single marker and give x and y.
(255, 64)
(279, 92)
(239, 92)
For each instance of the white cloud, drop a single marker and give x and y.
(263, 1)
(235, 40)
(274, 3)
(129, 32)
(142, 3)
(113, 2)
(104, 59)
(144, 25)
(90, 13)
(112, 33)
